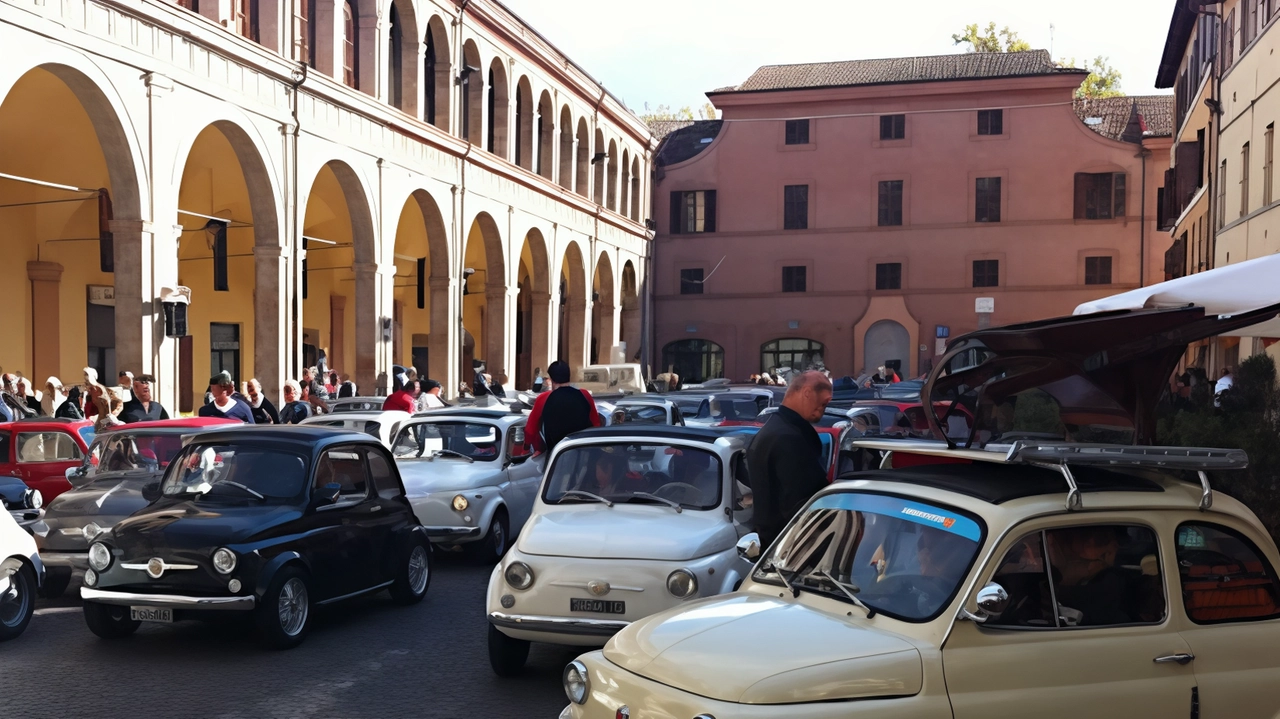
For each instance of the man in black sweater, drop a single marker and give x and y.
(560, 412)
(786, 456)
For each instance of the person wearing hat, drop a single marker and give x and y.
(430, 397)
(560, 412)
(141, 408)
(224, 404)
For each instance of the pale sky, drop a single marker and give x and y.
(673, 51)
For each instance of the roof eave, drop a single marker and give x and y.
(1175, 45)
(1074, 72)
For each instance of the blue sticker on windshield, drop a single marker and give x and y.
(923, 514)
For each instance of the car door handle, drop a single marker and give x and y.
(375, 508)
(1182, 659)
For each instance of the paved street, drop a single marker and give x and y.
(368, 658)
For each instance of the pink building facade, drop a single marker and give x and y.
(853, 214)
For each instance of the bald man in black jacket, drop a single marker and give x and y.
(785, 458)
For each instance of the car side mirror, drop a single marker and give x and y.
(992, 600)
(749, 547)
(328, 494)
(78, 476)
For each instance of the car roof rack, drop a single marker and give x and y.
(1059, 456)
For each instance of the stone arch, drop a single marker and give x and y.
(630, 306)
(403, 55)
(423, 292)
(524, 124)
(625, 194)
(533, 315)
(572, 346)
(582, 179)
(566, 148)
(885, 343)
(472, 94)
(634, 204)
(612, 172)
(604, 312)
(437, 74)
(599, 160)
(545, 132)
(486, 301)
(497, 105)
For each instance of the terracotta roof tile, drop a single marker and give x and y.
(1128, 118)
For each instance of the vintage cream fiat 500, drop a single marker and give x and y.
(1052, 564)
(631, 520)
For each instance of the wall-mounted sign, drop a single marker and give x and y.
(102, 295)
(793, 325)
(942, 331)
(984, 305)
(690, 328)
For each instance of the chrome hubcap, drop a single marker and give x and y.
(14, 602)
(293, 606)
(418, 570)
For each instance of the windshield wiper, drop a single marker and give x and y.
(674, 505)
(781, 575)
(240, 486)
(850, 591)
(449, 453)
(588, 495)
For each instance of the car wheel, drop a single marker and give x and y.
(109, 621)
(506, 655)
(17, 602)
(414, 575)
(284, 617)
(56, 580)
(490, 549)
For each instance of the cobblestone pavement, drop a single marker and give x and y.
(366, 658)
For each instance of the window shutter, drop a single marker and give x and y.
(709, 206)
(422, 283)
(220, 258)
(106, 241)
(1083, 181)
(676, 207)
(1186, 162)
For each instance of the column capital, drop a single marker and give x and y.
(440, 283)
(269, 252)
(38, 271)
(338, 302)
(135, 227)
(380, 268)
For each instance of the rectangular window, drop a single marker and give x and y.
(693, 212)
(889, 276)
(797, 132)
(1097, 270)
(990, 122)
(302, 30)
(691, 281)
(1229, 41)
(796, 207)
(794, 278)
(1244, 180)
(1100, 196)
(1224, 576)
(1222, 194)
(890, 203)
(224, 349)
(987, 200)
(986, 273)
(893, 127)
(1268, 162)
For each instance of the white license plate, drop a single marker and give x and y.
(151, 614)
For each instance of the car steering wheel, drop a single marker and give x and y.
(683, 493)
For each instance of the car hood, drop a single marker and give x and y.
(114, 497)
(422, 476)
(187, 524)
(761, 650)
(626, 531)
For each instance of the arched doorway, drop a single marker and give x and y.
(600, 160)
(625, 194)
(573, 307)
(545, 132)
(887, 343)
(582, 174)
(634, 205)
(524, 124)
(422, 297)
(693, 360)
(613, 175)
(533, 326)
(437, 74)
(797, 354)
(496, 140)
(485, 299)
(57, 126)
(566, 148)
(402, 58)
(472, 77)
(604, 326)
(630, 312)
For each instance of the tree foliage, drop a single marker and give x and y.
(1103, 79)
(686, 113)
(990, 39)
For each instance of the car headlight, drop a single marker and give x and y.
(35, 500)
(518, 575)
(91, 531)
(681, 583)
(460, 503)
(224, 560)
(99, 556)
(576, 684)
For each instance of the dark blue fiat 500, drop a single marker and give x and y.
(273, 521)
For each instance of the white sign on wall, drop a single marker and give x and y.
(984, 305)
(102, 295)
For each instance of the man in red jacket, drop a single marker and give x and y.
(401, 399)
(560, 412)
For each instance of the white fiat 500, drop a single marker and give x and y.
(631, 520)
(21, 575)
(468, 476)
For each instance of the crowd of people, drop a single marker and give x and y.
(129, 400)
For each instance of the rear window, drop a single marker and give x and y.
(1224, 576)
(638, 473)
(473, 440)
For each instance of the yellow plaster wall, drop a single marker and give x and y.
(474, 303)
(411, 243)
(328, 218)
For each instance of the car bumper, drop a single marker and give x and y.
(452, 533)
(75, 560)
(558, 625)
(129, 599)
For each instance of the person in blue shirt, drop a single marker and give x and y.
(222, 387)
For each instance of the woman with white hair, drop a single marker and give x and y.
(53, 396)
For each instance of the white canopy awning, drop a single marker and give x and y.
(1229, 290)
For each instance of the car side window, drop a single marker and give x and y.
(47, 447)
(1224, 576)
(344, 467)
(1093, 575)
(384, 477)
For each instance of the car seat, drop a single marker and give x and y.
(1241, 590)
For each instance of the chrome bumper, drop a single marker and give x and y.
(75, 560)
(128, 599)
(452, 532)
(558, 625)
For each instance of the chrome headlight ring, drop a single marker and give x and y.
(99, 556)
(577, 683)
(519, 575)
(682, 584)
(224, 560)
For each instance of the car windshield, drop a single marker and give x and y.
(689, 406)
(737, 408)
(223, 470)
(633, 472)
(902, 558)
(131, 452)
(86, 433)
(367, 426)
(643, 413)
(360, 405)
(448, 440)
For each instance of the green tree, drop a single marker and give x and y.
(664, 112)
(990, 40)
(1103, 80)
(707, 112)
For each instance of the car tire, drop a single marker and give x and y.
(490, 549)
(506, 655)
(413, 576)
(17, 603)
(284, 615)
(56, 580)
(109, 621)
